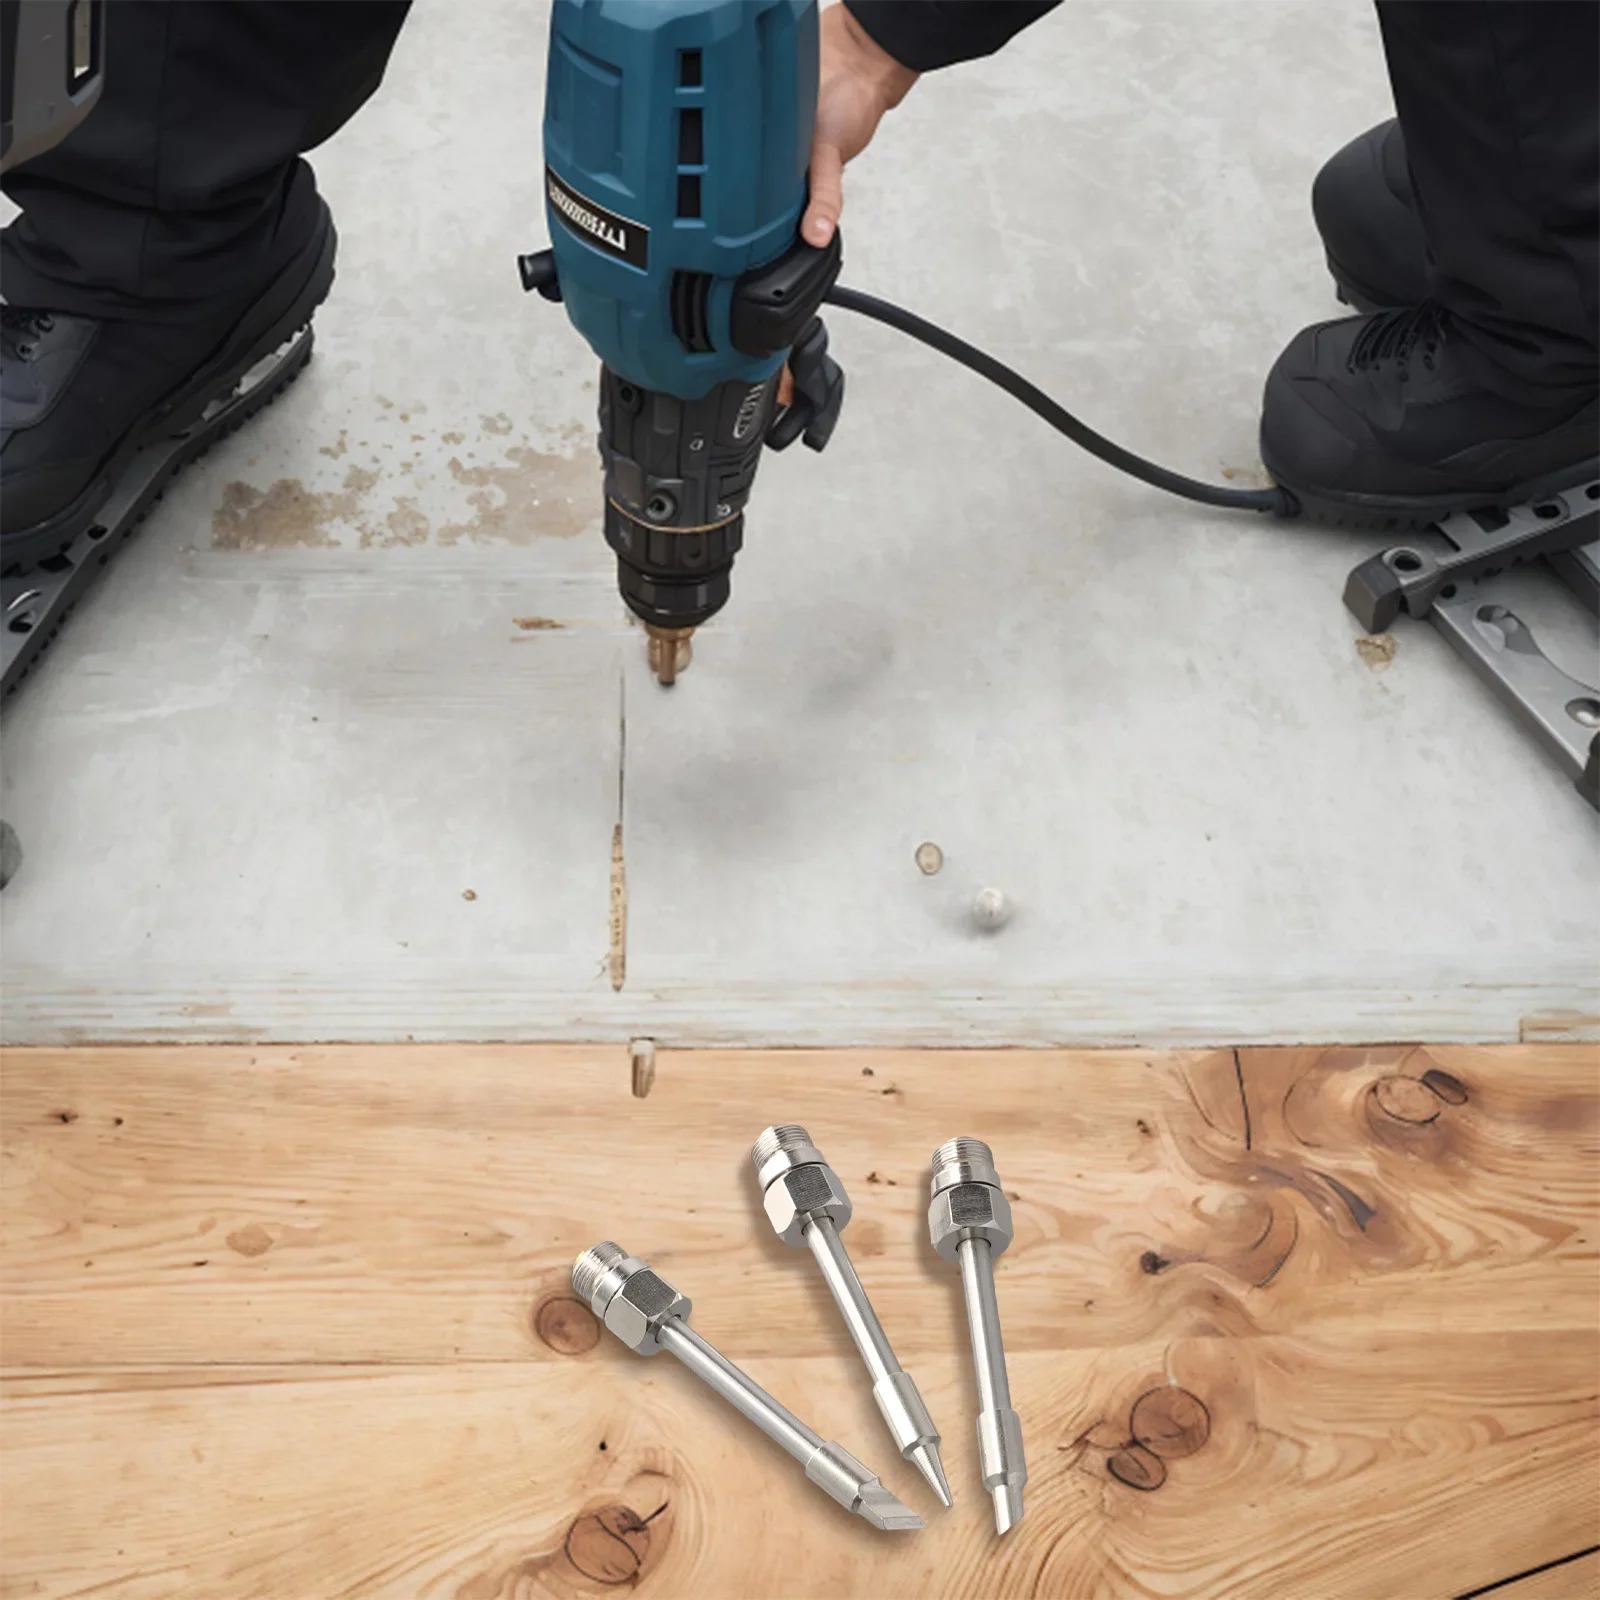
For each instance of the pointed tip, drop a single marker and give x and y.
(1007, 1508)
(882, 1510)
(925, 1458)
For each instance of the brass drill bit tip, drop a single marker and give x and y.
(670, 652)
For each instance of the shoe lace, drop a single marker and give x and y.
(1397, 336)
(20, 329)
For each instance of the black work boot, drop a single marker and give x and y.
(81, 396)
(1379, 422)
(1367, 215)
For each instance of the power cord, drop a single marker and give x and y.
(1275, 501)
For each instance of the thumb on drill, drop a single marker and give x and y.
(827, 194)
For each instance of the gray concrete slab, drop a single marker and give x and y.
(302, 719)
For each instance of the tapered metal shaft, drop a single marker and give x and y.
(648, 1314)
(1004, 1469)
(969, 1221)
(807, 1205)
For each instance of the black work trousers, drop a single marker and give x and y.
(179, 186)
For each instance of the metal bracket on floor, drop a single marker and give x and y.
(1580, 569)
(1560, 711)
(1454, 589)
(1480, 543)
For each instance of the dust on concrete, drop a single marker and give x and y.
(287, 515)
(1376, 649)
(499, 423)
(535, 495)
(406, 524)
(532, 494)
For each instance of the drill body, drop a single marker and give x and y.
(676, 138)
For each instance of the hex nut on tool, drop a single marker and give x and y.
(969, 1211)
(796, 1196)
(628, 1297)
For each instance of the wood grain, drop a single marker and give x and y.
(294, 1323)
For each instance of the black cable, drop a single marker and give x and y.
(1277, 502)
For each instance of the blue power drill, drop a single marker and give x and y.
(676, 139)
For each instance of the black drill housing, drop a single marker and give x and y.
(678, 472)
(677, 476)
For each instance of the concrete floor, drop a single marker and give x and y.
(334, 752)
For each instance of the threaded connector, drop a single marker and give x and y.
(963, 1160)
(784, 1136)
(962, 1148)
(629, 1296)
(781, 1148)
(592, 1266)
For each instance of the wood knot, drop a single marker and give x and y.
(1150, 1262)
(566, 1325)
(1418, 1101)
(1449, 1088)
(1165, 1424)
(1137, 1468)
(610, 1546)
(1170, 1422)
(250, 1240)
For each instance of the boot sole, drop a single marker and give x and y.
(36, 605)
(1413, 513)
(285, 307)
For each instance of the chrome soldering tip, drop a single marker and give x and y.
(925, 1458)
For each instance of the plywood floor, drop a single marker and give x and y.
(294, 1324)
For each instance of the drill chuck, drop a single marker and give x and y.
(673, 577)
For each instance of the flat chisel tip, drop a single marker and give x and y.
(1007, 1507)
(925, 1458)
(882, 1510)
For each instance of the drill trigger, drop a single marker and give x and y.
(818, 393)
